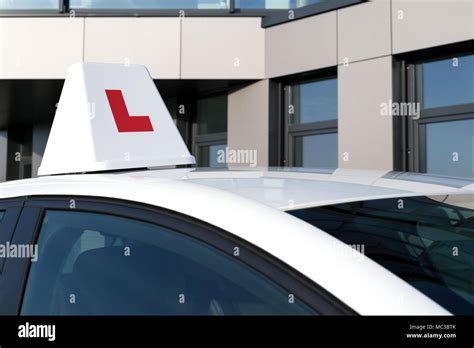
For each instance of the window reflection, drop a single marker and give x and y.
(448, 82)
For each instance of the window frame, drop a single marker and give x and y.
(12, 276)
(291, 131)
(259, 260)
(410, 133)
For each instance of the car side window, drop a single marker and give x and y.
(98, 264)
(1, 215)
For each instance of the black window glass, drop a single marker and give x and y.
(427, 243)
(212, 115)
(1, 215)
(448, 82)
(94, 264)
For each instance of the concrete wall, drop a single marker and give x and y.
(248, 112)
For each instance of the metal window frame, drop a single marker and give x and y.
(414, 134)
(261, 261)
(292, 131)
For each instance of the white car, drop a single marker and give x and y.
(116, 225)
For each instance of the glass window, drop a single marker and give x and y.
(29, 4)
(1, 215)
(274, 4)
(448, 82)
(427, 243)
(314, 101)
(450, 148)
(212, 156)
(149, 4)
(94, 264)
(212, 115)
(317, 151)
(311, 122)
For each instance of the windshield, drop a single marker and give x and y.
(426, 241)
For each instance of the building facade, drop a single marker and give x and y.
(382, 84)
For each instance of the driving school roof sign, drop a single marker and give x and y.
(111, 117)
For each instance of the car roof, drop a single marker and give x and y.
(280, 188)
(297, 188)
(353, 278)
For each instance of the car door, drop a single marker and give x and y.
(110, 257)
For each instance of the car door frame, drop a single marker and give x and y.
(277, 271)
(13, 269)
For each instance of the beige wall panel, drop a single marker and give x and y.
(154, 42)
(248, 110)
(222, 48)
(39, 48)
(302, 45)
(420, 24)
(364, 133)
(363, 31)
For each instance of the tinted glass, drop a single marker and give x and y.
(150, 4)
(212, 115)
(314, 101)
(93, 264)
(316, 151)
(427, 243)
(1, 215)
(29, 4)
(450, 148)
(212, 156)
(448, 82)
(274, 4)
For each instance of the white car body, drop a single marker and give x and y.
(249, 204)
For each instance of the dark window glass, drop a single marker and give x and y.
(150, 4)
(93, 264)
(29, 4)
(212, 115)
(212, 156)
(450, 149)
(318, 151)
(314, 101)
(427, 243)
(1, 215)
(448, 82)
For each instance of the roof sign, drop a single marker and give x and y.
(111, 117)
